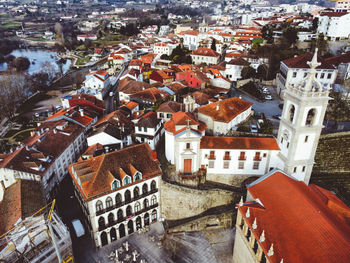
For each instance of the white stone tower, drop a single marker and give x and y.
(304, 108)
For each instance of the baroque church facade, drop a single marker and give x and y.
(232, 159)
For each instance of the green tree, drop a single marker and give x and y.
(262, 72)
(21, 63)
(290, 36)
(338, 109)
(248, 72)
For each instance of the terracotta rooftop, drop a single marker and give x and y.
(149, 120)
(336, 60)
(170, 106)
(151, 95)
(22, 199)
(205, 52)
(225, 110)
(132, 86)
(304, 223)
(180, 120)
(301, 62)
(242, 143)
(97, 173)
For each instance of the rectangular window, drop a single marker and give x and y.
(322, 75)
(287, 145)
(226, 164)
(294, 74)
(304, 168)
(316, 75)
(145, 129)
(329, 75)
(305, 74)
(227, 156)
(168, 115)
(256, 165)
(188, 145)
(211, 164)
(306, 138)
(295, 170)
(212, 155)
(257, 156)
(139, 128)
(241, 156)
(282, 140)
(241, 165)
(161, 115)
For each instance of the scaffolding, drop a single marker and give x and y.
(40, 238)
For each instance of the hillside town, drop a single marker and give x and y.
(175, 131)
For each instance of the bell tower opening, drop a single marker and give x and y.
(305, 105)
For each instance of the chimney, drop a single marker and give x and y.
(217, 106)
(81, 112)
(32, 133)
(27, 147)
(54, 130)
(42, 130)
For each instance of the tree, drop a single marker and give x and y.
(262, 72)
(248, 72)
(290, 36)
(21, 63)
(338, 109)
(315, 24)
(59, 32)
(13, 90)
(213, 44)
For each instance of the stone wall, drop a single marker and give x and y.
(229, 179)
(223, 220)
(333, 153)
(178, 202)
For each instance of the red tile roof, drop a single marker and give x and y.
(22, 199)
(227, 109)
(205, 52)
(299, 220)
(96, 174)
(336, 60)
(333, 14)
(183, 119)
(243, 143)
(301, 62)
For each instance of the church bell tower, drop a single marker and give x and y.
(301, 123)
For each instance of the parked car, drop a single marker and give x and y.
(277, 116)
(253, 128)
(36, 115)
(259, 122)
(268, 97)
(78, 228)
(58, 107)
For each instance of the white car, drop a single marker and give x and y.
(268, 97)
(78, 228)
(253, 128)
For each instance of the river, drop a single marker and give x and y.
(38, 60)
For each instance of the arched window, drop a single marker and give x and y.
(291, 113)
(128, 210)
(101, 223)
(153, 200)
(109, 202)
(153, 185)
(144, 189)
(136, 192)
(310, 117)
(111, 219)
(99, 206)
(120, 216)
(127, 196)
(118, 200)
(137, 207)
(104, 240)
(145, 203)
(126, 180)
(115, 184)
(138, 176)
